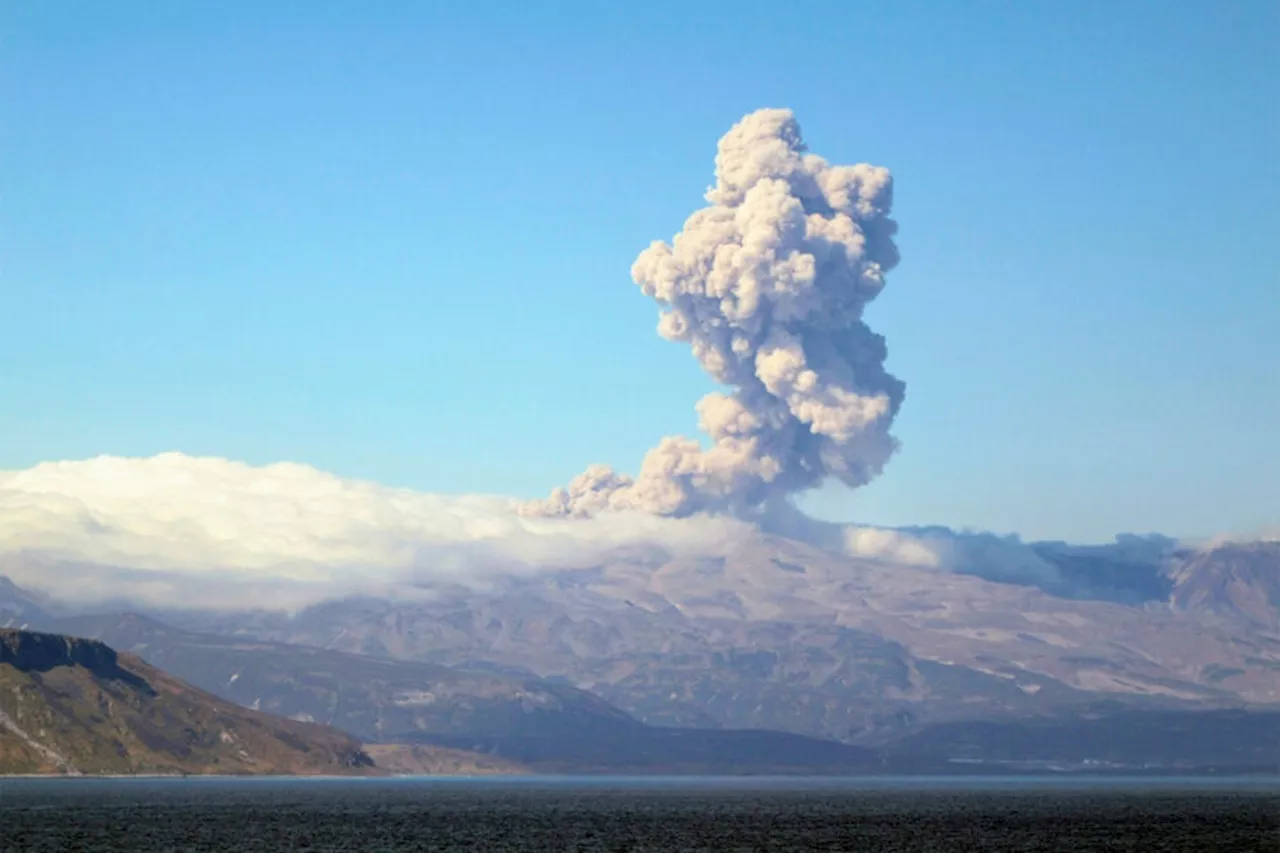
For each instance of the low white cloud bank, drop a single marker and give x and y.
(169, 517)
(999, 558)
(175, 530)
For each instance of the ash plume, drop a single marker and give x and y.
(767, 285)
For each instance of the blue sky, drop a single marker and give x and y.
(392, 240)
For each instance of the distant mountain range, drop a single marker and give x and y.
(74, 706)
(529, 723)
(376, 699)
(769, 655)
(775, 634)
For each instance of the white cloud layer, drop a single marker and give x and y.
(180, 530)
(176, 514)
(176, 530)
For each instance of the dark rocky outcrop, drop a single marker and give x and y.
(31, 651)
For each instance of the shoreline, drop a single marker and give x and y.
(977, 780)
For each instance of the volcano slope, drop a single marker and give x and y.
(770, 633)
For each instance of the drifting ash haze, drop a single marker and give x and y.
(767, 285)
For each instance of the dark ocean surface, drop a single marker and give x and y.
(652, 814)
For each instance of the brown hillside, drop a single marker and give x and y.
(75, 706)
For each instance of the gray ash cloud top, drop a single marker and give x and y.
(767, 285)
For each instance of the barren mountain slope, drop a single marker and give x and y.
(377, 699)
(73, 706)
(772, 633)
(1235, 581)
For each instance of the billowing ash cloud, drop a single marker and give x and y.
(767, 285)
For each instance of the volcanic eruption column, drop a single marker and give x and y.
(767, 285)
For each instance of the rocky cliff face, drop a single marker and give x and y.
(28, 651)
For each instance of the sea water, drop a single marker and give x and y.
(642, 814)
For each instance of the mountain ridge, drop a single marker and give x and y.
(775, 634)
(378, 699)
(764, 634)
(610, 742)
(71, 705)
